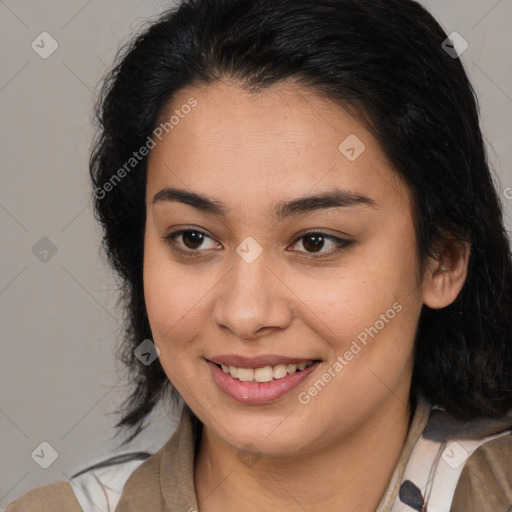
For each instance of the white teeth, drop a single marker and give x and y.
(291, 368)
(280, 371)
(245, 374)
(266, 373)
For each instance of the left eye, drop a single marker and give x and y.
(313, 242)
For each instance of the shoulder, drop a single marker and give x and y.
(48, 498)
(459, 465)
(485, 482)
(128, 482)
(101, 486)
(97, 487)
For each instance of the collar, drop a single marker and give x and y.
(165, 481)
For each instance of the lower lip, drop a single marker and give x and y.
(258, 392)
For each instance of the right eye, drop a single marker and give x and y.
(191, 240)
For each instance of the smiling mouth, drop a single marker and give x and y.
(265, 373)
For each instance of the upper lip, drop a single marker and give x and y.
(257, 361)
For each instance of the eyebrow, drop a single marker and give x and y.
(332, 199)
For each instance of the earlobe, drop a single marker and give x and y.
(446, 274)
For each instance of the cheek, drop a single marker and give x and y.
(370, 306)
(175, 297)
(359, 309)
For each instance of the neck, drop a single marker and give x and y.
(364, 460)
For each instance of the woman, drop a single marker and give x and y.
(297, 198)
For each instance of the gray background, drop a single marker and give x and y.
(60, 380)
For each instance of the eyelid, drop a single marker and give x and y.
(320, 231)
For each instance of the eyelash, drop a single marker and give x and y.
(191, 253)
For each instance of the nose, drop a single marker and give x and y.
(253, 301)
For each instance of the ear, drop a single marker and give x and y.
(446, 273)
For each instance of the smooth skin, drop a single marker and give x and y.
(250, 152)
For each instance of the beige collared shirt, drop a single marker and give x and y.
(165, 481)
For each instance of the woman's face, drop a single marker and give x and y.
(256, 284)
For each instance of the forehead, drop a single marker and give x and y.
(283, 142)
